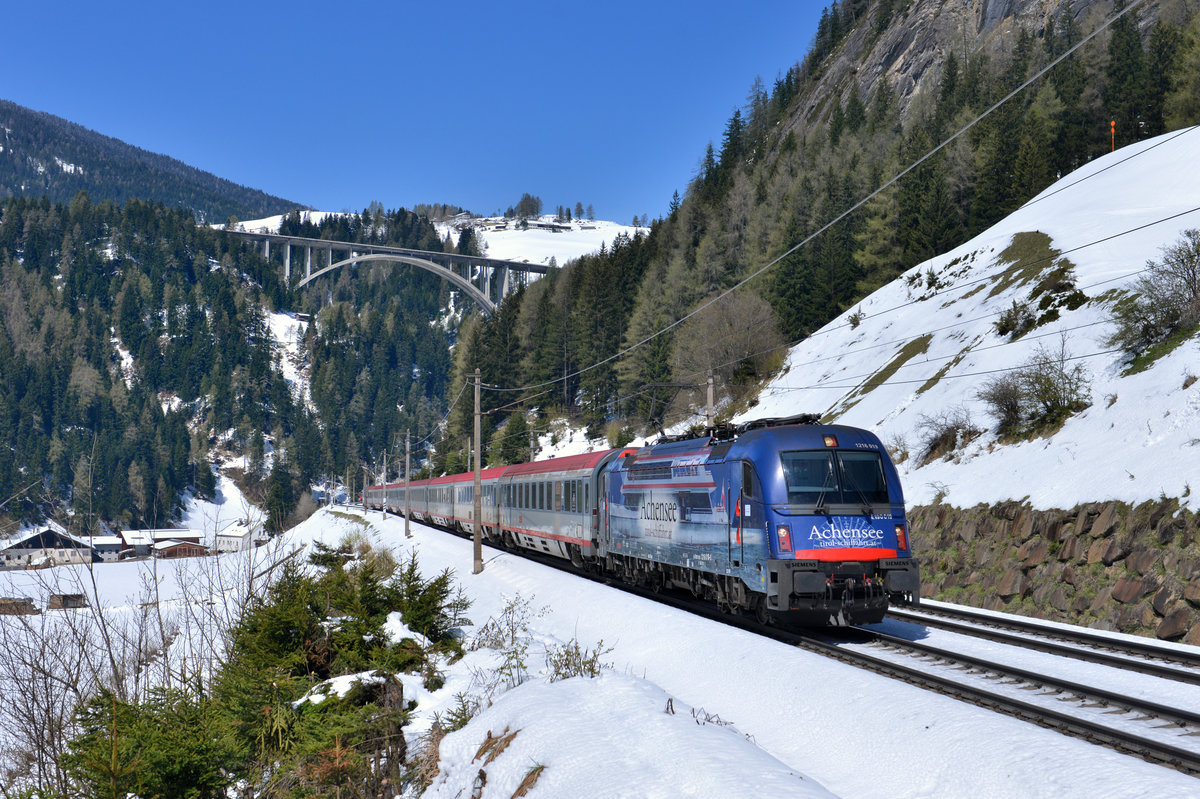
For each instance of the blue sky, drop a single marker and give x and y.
(336, 104)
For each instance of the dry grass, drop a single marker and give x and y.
(530, 780)
(493, 745)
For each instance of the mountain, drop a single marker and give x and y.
(930, 342)
(42, 155)
(886, 145)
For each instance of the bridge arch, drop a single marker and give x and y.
(484, 301)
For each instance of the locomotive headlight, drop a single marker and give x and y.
(901, 537)
(830, 440)
(785, 538)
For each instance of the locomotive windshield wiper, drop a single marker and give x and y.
(820, 507)
(867, 507)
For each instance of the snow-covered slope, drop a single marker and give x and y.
(917, 352)
(537, 245)
(751, 716)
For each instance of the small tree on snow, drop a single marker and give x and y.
(1166, 298)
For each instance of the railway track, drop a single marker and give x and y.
(1079, 644)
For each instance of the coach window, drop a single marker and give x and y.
(558, 495)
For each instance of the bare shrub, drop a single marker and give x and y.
(897, 448)
(737, 337)
(1166, 298)
(572, 660)
(943, 433)
(1054, 387)
(1005, 399)
(1040, 394)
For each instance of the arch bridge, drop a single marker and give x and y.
(485, 280)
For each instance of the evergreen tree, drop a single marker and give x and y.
(1181, 106)
(1125, 96)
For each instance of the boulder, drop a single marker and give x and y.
(967, 529)
(1119, 548)
(1191, 592)
(1034, 552)
(1163, 601)
(1176, 624)
(1099, 606)
(1142, 560)
(1105, 521)
(1013, 583)
(1130, 589)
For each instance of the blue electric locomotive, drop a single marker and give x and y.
(786, 519)
(783, 518)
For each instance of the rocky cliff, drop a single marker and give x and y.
(909, 51)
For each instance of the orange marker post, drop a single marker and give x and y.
(1113, 127)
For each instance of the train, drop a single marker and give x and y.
(785, 519)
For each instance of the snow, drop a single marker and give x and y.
(270, 224)
(799, 721)
(286, 329)
(1139, 439)
(749, 713)
(610, 737)
(538, 246)
(227, 513)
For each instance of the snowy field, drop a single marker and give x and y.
(538, 246)
(798, 724)
(687, 707)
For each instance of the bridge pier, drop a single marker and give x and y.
(287, 263)
(307, 262)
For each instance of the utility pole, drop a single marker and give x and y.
(478, 485)
(531, 452)
(407, 497)
(364, 491)
(385, 483)
(709, 415)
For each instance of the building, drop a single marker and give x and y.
(43, 547)
(107, 548)
(234, 538)
(142, 543)
(179, 549)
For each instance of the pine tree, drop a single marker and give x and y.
(1126, 80)
(1181, 107)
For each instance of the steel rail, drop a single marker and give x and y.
(1134, 650)
(1176, 757)
(1081, 636)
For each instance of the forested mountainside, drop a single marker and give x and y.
(42, 155)
(135, 349)
(127, 327)
(884, 82)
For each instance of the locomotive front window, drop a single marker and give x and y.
(810, 477)
(834, 477)
(862, 477)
